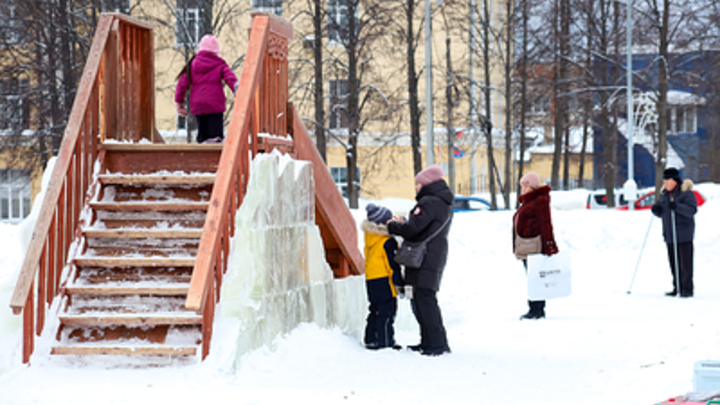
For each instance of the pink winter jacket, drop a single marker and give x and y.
(208, 73)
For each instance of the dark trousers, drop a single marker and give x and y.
(209, 126)
(685, 266)
(427, 313)
(379, 328)
(536, 307)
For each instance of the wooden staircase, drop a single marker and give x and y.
(127, 287)
(133, 236)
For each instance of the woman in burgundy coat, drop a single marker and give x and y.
(532, 219)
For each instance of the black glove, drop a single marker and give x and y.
(672, 205)
(657, 209)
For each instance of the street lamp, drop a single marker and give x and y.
(429, 126)
(630, 187)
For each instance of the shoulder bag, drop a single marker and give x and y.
(526, 246)
(412, 254)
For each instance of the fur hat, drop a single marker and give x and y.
(672, 173)
(378, 214)
(209, 43)
(531, 179)
(429, 175)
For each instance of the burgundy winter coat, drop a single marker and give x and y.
(208, 71)
(533, 218)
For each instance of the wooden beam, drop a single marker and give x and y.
(144, 233)
(164, 291)
(150, 206)
(131, 319)
(121, 350)
(150, 179)
(134, 262)
(328, 201)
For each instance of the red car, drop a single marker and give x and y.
(646, 201)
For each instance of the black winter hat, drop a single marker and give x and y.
(378, 214)
(672, 173)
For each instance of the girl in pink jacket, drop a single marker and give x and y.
(203, 75)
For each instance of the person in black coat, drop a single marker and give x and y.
(433, 209)
(678, 202)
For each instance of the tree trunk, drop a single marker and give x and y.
(487, 126)
(320, 140)
(450, 128)
(508, 104)
(523, 94)
(352, 106)
(412, 79)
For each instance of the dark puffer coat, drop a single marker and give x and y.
(533, 218)
(685, 209)
(434, 206)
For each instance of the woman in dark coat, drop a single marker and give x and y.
(433, 209)
(530, 220)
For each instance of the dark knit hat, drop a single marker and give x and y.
(672, 173)
(378, 214)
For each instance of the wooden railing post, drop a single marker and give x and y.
(94, 113)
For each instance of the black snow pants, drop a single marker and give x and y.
(685, 259)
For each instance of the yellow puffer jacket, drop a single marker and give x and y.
(380, 268)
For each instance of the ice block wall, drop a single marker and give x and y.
(278, 276)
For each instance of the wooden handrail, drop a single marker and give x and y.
(260, 106)
(120, 58)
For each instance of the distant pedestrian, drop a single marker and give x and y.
(532, 220)
(203, 76)
(677, 203)
(383, 278)
(432, 212)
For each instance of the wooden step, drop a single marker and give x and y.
(132, 319)
(144, 233)
(135, 262)
(156, 179)
(129, 290)
(149, 206)
(132, 276)
(122, 350)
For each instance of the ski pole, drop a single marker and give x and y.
(642, 249)
(677, 268)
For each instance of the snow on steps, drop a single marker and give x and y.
(126, 288)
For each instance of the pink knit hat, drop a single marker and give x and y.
(209, 43)
(429, 175)
(531, 179)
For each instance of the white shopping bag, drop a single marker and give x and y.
(548, 276)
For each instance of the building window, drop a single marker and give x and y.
(339, 175)
(268, 6)
(14, 195)
(181, 122)
(187, 27)
(338, 20)
(682, 119)
(9, 23)
(338, 104)
(15, 108)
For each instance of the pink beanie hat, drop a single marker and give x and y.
(531, 179)
(429, 175)
(209, 43)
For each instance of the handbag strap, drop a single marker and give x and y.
(434, 234)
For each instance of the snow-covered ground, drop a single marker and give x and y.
(601, 345)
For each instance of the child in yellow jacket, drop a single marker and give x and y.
(382, 278)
